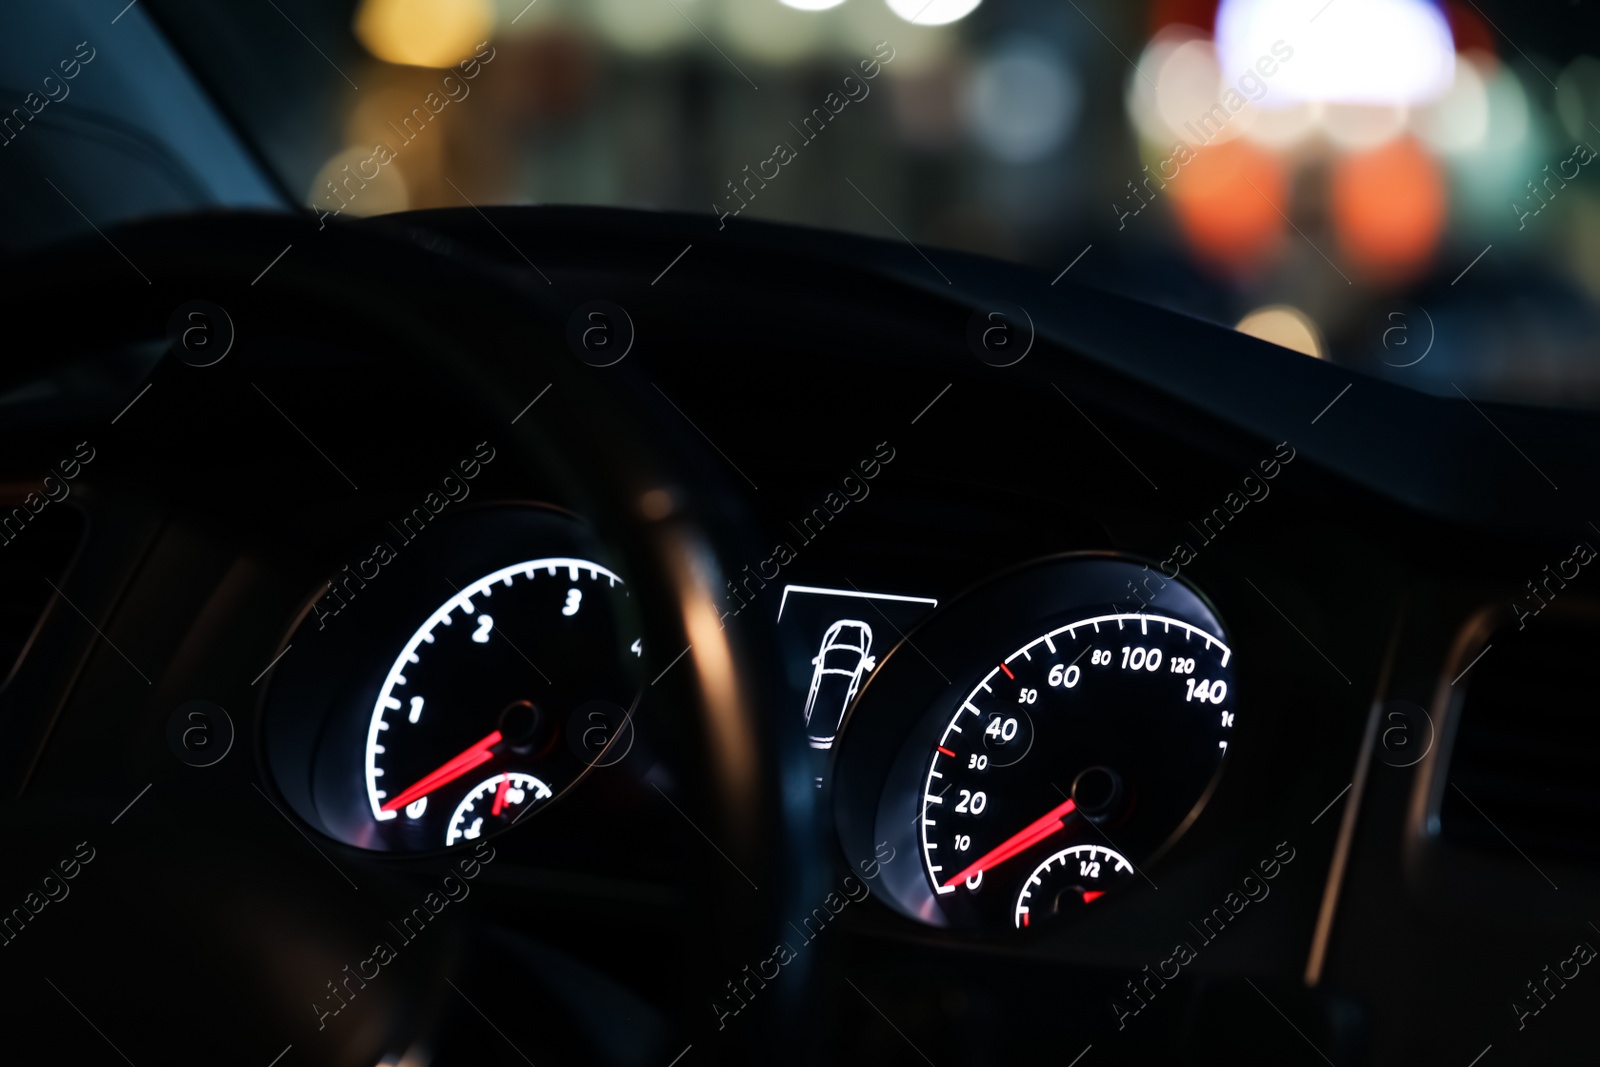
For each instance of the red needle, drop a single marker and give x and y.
(455, 768)
(500, 794)
(1020, 841)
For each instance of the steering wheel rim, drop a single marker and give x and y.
(497, 338)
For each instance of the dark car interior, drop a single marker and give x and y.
(488, 630)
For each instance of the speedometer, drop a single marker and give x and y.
(1104, 730)
(1050, 733)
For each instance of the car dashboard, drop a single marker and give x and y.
(1157, 693)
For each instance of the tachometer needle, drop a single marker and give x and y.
(1020, 841)
(478, 754)
(500, 794)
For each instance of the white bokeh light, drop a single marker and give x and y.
(770, 32)
(1024, 102)
(1386, 52)
(933, 12)
(1142, 94)
(1359, 127)
(812, 5)
(1188, 88)
(1280, 127)
(1460, 121)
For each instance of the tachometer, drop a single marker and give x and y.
(463, 738)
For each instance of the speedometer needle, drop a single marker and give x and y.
(478, 754)
(1020, 841)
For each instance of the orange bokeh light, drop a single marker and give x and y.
(1227, 200)
(1389, 208)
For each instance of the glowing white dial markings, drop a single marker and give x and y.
(967, 704)
(467, 821)
(388, 699)
(1101, 860)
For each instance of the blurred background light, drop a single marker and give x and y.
(1280, 127)
(1188, 87)
(1023, 102)
(1285, 326)
(1356, 51)
(1468, 28)
(1141, 97)
(858, 26)
(342, 186)
(770, 31)
(423, 33)
(933, 12)
(1357, 127)
(1458, 121)
(1578, 97)
(646, 28)
(1508, 110)
(1492, 173)
(1399, 140)
(1389, 209)
(1227, 200)
(1171, 14)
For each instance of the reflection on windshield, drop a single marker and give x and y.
(1402, 186)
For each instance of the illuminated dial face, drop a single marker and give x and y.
(493, 803)
(483, 694)
(1104, 733)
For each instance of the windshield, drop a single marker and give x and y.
(1398, 186)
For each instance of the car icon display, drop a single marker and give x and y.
(842, 659)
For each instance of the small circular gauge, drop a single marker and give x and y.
(1103, 729)
(498, 802)
(484, 687)
(1071, 878)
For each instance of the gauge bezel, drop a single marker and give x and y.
(880, 760)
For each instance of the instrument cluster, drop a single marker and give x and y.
(1035, 743)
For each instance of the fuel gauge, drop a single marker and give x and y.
(500, 801)
(1068, 880)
